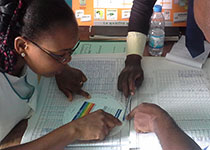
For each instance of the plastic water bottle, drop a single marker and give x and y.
(157, 33)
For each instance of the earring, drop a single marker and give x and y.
(23, 54)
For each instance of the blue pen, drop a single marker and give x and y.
(126, 106)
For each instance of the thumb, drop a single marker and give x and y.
(132, 82)
(139, 80)
(84, 78)
(131, 114)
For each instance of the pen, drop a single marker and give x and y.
(126, 106)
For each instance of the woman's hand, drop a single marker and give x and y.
(95, 126)
(70, 81)
(131, 76)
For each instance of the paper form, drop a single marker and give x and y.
(100, 48)
(183, 92)
(102, 76)
(206, 68)
(180, 54)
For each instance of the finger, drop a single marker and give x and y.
(138, 130)
(81, 83)
(113, 121)
(132, 113)
(81, 80)
(135, 80)
(106, 129)
(75, 87)
(76, 83)
(125, 86)
(139, 80)
(119, 82)
(84, 78)
(68, 94)
(131, 83)
(83, 93)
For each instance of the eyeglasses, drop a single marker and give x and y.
(59, 58)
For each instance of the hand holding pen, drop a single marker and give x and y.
(131, 77)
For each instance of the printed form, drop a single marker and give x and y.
(102, 76)
(182, 91)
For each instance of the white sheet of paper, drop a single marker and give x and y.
(102, 79)
(180, 54)
(181, 90)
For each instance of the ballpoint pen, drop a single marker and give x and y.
(126, 106)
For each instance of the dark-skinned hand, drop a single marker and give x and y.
(70, 81)
(95, 126)
(132, 76)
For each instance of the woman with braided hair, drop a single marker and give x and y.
(42, 34)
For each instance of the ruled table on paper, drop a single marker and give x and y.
(181, 90)
(102, 79)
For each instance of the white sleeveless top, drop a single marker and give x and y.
(13, 106)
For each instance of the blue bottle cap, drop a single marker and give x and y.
(157, 8)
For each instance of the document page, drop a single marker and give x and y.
(102, 73)
(100, 48)
(180, 54)
(183, 92)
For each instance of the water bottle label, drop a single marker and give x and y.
(156, 41)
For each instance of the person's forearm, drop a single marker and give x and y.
(55, 140)
(140, 16)
(138, 26)
(133, 59)
(135, 43)
(171, 137)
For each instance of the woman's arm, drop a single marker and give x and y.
(56, 140)
(94, 126)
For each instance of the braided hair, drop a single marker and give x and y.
(28, 18)
(9, 15)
